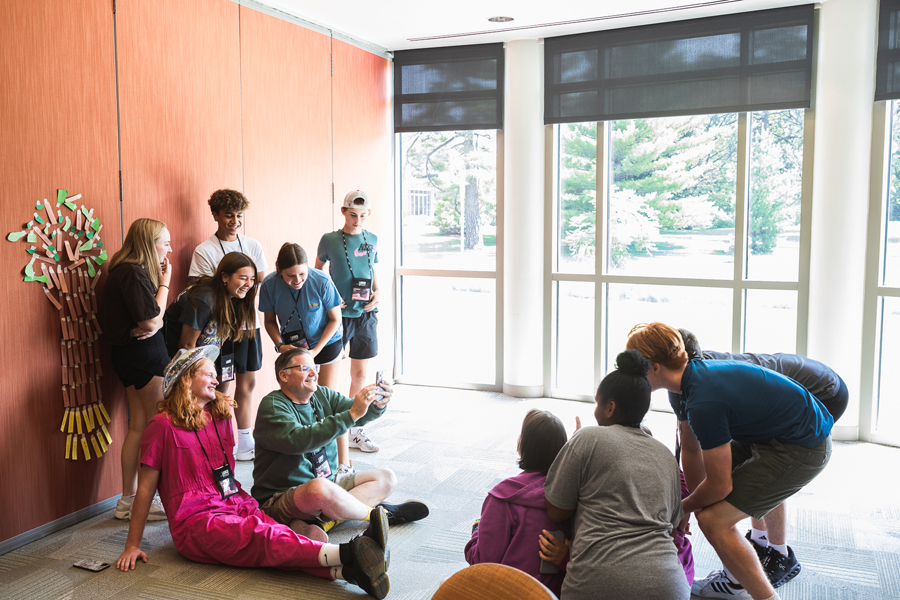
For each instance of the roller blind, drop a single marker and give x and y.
(887, 72)
(449, 89)
(749, 61)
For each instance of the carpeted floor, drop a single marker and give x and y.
(448, 448)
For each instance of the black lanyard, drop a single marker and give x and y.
(296, 298)
(223, 247)
(347, 255)
(225, 456)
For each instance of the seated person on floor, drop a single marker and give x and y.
(186, 451)
(623, 488)
(514, 528)
(295, 478)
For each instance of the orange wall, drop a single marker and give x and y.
(286, 99)
(211, 95)
(58, 115)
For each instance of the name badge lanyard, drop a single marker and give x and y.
(361, 289)
(296, 336)
(319, 459)
(223, 476)
(240, 245)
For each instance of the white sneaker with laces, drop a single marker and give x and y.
(717, 585)
(123, 508)
(157, 512)
(359, 439)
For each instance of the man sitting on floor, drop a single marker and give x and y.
(295, 471)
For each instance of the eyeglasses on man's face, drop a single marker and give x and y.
(303, 368)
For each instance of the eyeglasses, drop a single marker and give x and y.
(303, 368)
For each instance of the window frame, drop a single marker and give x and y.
(400, 272)
(738, 283)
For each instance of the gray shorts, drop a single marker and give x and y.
(283, 508)
(766, 474)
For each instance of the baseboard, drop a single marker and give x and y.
(59, 524)
(845, 433)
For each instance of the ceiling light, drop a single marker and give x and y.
(500, 19)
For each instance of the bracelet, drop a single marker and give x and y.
(163, 285)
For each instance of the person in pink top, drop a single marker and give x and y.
(514, 528)
(186, 452)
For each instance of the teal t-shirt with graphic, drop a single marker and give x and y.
(361, 249)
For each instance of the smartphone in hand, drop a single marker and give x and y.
(379, 377)
(548, 568)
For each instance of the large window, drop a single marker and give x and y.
(449, 301)
(700, 227)
(880, 400)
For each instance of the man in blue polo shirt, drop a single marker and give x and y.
(752, 438)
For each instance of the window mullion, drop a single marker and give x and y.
(741, 214)
(600, 232)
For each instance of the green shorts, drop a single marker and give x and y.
(766, 474)
(283, 509)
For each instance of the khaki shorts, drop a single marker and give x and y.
(766, 474)
(283, 508)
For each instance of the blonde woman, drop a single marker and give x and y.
(134, 300)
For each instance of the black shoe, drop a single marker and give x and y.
(780, 569)
(760, 550)
(366, 567)
(378, 531)
(405, 513)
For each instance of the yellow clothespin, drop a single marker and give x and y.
(84, 446)
(96, 446)
(68, 446)
(62, 427)
(106, 433)
(105, 414)
(78, 420)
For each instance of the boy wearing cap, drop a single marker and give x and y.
(227, 207)
(352, 253)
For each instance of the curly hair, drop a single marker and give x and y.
(660, 343)
(182, 406)
(139, 248)
(228, 200)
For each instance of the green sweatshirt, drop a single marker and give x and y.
(288, 434)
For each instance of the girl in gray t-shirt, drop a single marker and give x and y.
(623, 488)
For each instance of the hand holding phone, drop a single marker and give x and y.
(553, 549)
(379, 377)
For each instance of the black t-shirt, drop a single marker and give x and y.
(128, 298)
(197, 315)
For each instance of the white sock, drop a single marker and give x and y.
(760, 536)
(730, 577)
(774, 596)
(128, 499)
(330, 555)
(245, 440)
(337, 573)
(782, 548)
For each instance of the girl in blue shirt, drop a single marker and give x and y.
(302, 308)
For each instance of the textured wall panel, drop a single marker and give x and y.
(362, 160)
(286, 99)
(180, 103)
(58, 123)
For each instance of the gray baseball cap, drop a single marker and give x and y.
(182, 362)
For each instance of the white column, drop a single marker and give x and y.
(843, 116)
(523, 214)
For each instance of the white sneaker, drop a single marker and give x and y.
(157, 512)
(123, 508)
(248, 455)
(359, 439)
(345, 470)
(717, 585)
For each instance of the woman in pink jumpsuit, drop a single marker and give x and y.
(209, 529)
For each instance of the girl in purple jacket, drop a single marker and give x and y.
(514, 529)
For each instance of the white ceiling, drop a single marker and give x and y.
(404, 24)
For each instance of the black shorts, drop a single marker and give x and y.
(329, 353)
(248, 354)
(838, 404)
(362, 334)
(139, 361)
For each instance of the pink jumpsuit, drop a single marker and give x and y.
(206, 528)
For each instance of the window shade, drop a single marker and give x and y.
(750, 61)
(448, 89)
(887, 72)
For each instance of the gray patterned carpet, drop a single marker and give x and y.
(448, 448)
